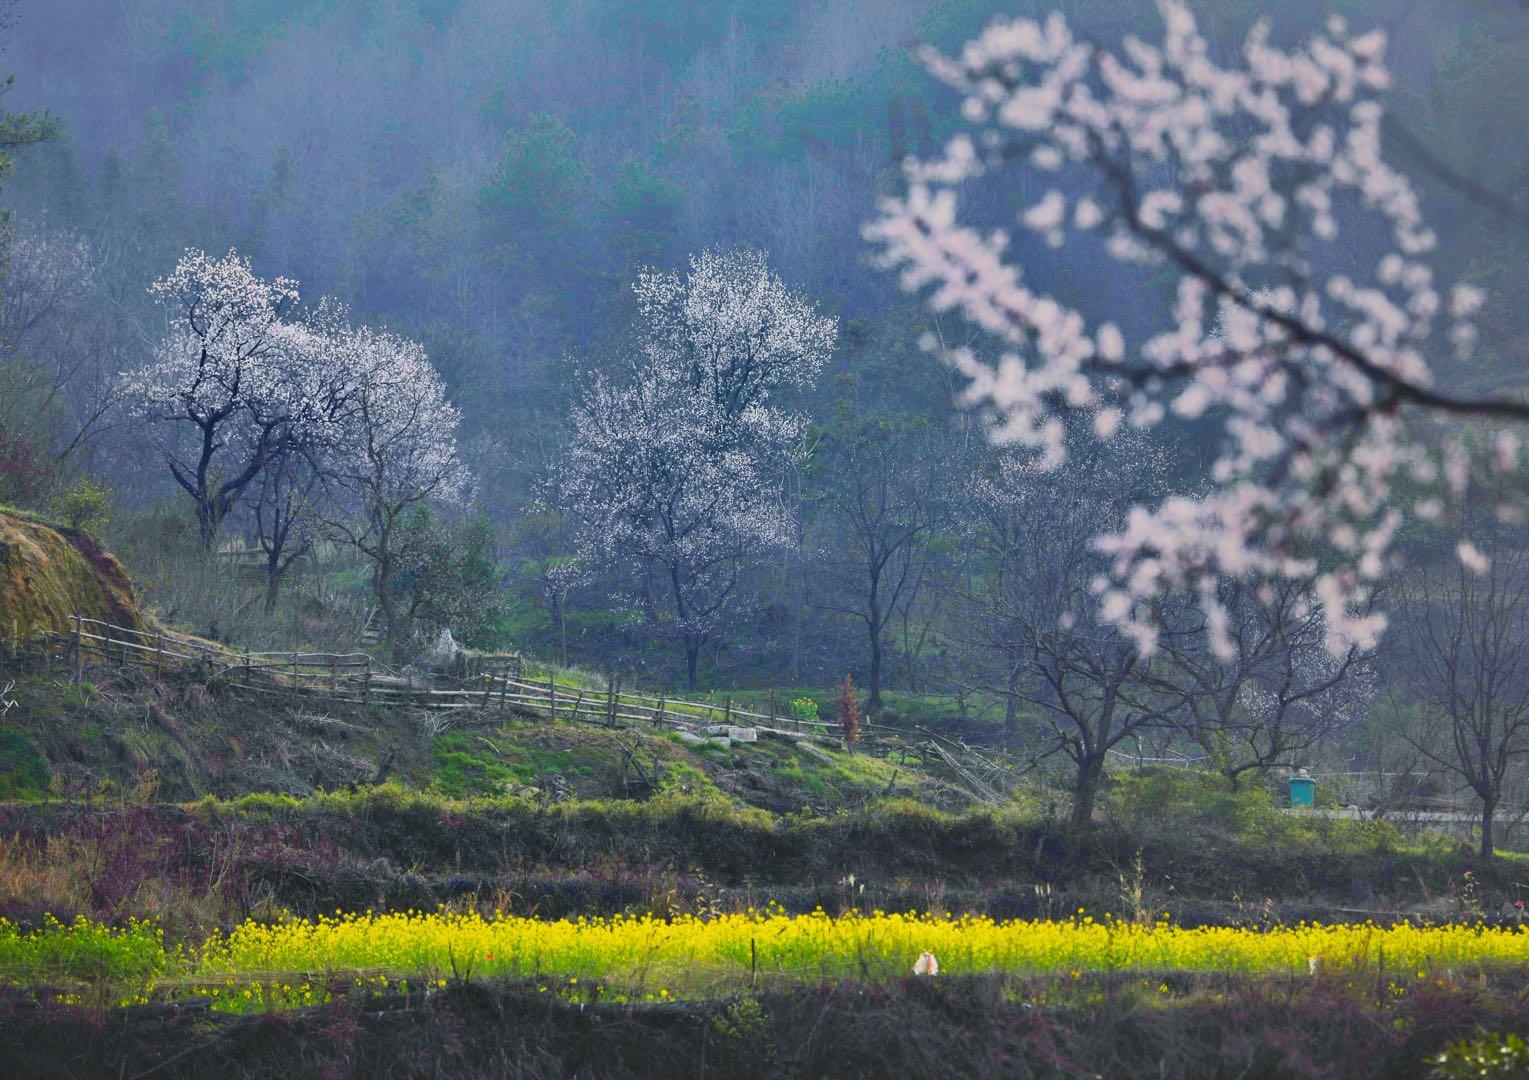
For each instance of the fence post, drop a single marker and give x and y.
(658, 717)
(552, 695)
(294, 673)
(79, 651)
(519, 668)
(334, 674)
(727, 712)
(159, 655)
(366, 683)
(504, 684)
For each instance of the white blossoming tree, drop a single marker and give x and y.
(393, 452)
(673, 471)
(1244, 186)
(233, 384)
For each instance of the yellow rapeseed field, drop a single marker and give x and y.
(262, 965)
(877, 943)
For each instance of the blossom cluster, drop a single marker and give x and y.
(1244, 185)
(675, 465)
(242, 379)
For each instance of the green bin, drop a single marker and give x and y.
(1303, 791)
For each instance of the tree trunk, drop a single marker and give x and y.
(1488, 810)
(207, 522)
(692, 652)
(1011, 704)
(380, 583)
(390, 635)
(1086, 790)
(275, 573)
(272, 588)
(873, 700)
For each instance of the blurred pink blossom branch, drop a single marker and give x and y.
(1237, 182)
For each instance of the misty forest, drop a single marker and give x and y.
(764, 538)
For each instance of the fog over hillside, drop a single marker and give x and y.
(488, 174)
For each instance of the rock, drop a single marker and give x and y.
(441, 656)
(736, 734)
(814, 751)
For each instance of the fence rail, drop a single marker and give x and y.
(486, 682)
(497, 682)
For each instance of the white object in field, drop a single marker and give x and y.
(733, 732)
(440, 655)
(926, 964)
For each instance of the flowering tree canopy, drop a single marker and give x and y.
(674, 470)
(731, 329)
(353, 420)
(398, 430)
(394, 451)
(1245, 185)
(233, 381)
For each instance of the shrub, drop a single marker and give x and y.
(1152, 793)
(83, 505)
(849, 714)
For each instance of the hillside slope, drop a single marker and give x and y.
(182, 736)
(50, 573)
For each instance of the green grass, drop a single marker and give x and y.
(898, 709)
(471, 765)
(34, 516)
(24, 770)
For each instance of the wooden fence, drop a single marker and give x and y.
(493, 682)
(487, 683)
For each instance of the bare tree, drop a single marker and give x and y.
(1083, 686)
(1467, 628)
(882, 499)
(60, 350)
(283, 518)
(1278, 694)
